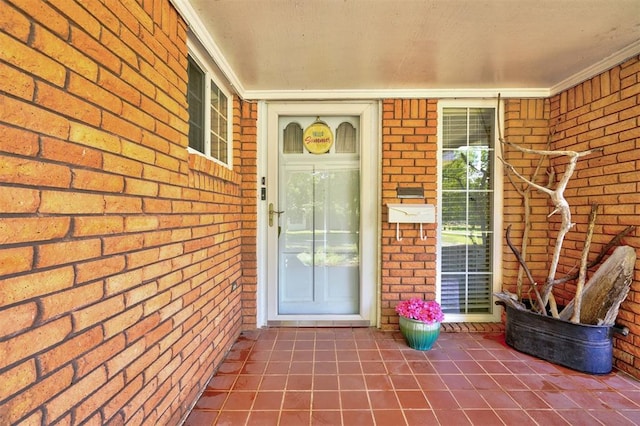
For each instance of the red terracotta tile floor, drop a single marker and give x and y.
(362, 376)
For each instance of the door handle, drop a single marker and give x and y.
(272, 212)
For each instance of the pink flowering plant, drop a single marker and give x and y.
(420, 310)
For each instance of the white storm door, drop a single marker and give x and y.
(322, 232)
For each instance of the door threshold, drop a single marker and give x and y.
(318, 323)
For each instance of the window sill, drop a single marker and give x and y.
(201, 164)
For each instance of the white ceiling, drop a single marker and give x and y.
(297, 48)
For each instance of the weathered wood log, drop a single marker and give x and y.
(611, 244)
(606, 289)
(582, 275)
(508, 298)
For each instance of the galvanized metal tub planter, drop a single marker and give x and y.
(581, 347)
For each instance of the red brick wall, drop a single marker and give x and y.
(118, 249)
(602, 112)
(526, 123)
(409, 152)
(247, 151)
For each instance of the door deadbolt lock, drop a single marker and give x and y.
(272, 212)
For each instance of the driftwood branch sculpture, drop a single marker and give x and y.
(560, 203)
(598, 299)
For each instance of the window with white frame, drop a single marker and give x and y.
(209, 113)
(468, 200)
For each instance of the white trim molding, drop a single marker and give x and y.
(283, 95)
(597, 68)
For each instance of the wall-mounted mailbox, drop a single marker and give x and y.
(411, 213)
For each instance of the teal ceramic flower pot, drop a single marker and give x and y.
(419, 335)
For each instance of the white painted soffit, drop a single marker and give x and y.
(597, 68)
(199, 30)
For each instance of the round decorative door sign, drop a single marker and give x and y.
(317, 138)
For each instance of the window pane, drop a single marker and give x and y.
(479, 166)
(219, 132)
(454, 128)
(195, 92)
(481, 126)
(222, 151)
(479, 254)
(215, 101)
(454, 209)
(223, 128)
(223, 105)
(292, 139)
(213, 149)
(468, 127)
(454, 170)
(215, 126)
(346, 138)
(453, 295)
(479, 294)
(454, 254)
(479, 210)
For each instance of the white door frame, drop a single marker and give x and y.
(268, 114)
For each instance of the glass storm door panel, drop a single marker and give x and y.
(319, 227)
